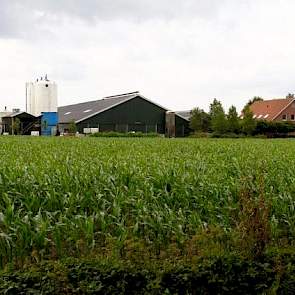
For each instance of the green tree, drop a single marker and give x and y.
(199, 120)
(44, 124)
(290, 96)
(16, 125)
(248, 122)
(218, 118)
(233, 120)
(72, 127)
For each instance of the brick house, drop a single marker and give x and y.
(274, 110)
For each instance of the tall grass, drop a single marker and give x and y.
(64, 197)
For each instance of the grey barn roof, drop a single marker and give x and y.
(81, 111)
(184, 114)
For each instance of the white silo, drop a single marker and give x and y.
(41, 96)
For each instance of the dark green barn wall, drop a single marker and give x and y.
(136, 114)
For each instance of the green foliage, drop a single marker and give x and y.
(229, 274)
(274, 129)
(199, 120)
(218, 125)
(127, 134)
(168, 214)
(16, 125)
(44, 124)
(72, 127)
(218, 118)
(227, 135)
(290, 96)
(233, 120)
(199, 135)
(248, 122)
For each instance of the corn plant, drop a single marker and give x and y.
(63, 197)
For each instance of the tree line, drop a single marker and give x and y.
(219, 123)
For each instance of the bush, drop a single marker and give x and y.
(227, 135)
(219, 275)
(129, 134)
(274, 129)
(199, 135)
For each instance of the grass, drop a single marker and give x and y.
(140, 199)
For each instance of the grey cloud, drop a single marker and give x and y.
(7, 25)
(180, 53)
(16, 19)
(135, 9)
(21, 17)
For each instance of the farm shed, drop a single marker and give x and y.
(21, 123)
(177, 124)
(122, 113)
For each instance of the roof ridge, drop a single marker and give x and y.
(123, 94)
(108, 107)
(77, 112)
(274, 99)
(104, 98)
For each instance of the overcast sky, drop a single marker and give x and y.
(178, 53)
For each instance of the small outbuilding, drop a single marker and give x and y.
(20, 123)
(177, 124)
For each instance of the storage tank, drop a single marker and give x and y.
(41, 96)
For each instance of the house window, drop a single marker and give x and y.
(284, 117)
(293, 117)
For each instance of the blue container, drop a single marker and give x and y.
(49, 123)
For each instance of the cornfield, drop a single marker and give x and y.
(67, 197)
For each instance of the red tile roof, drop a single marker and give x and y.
(269, 109)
